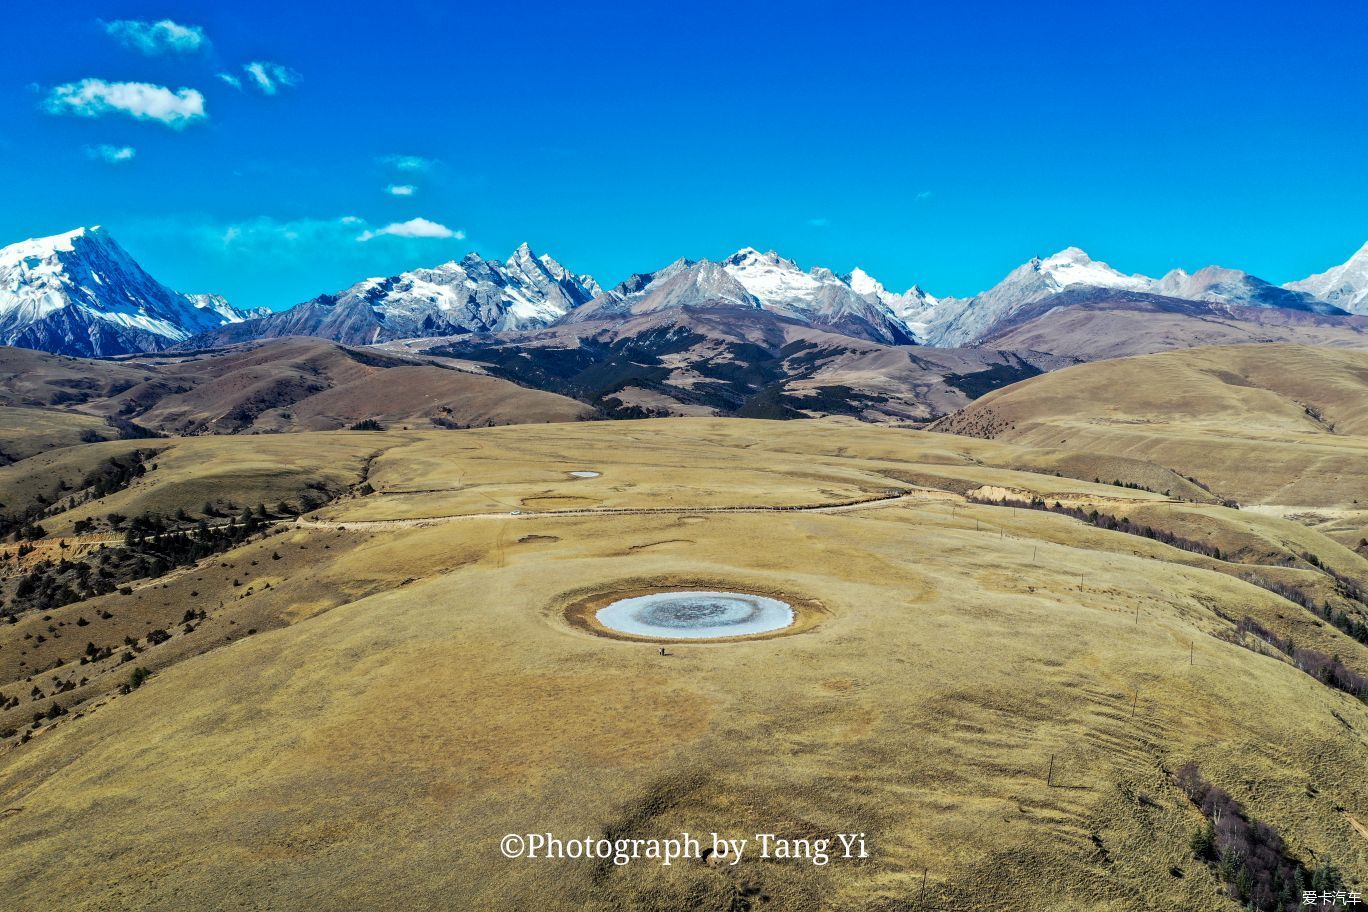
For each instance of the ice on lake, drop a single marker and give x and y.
(696, 615)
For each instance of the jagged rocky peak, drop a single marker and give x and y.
(470, 295)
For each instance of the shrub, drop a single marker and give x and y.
(1249, 856)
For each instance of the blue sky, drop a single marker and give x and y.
(939, 144)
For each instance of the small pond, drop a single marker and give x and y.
(696, 615)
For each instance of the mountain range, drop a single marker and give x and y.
(80, 293)
(473, 295)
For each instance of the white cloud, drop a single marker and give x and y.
(410, 163)
(153, 38)
(139, 100)
(231, 80)
(401, 189)
(112, 154)
(820, 222)
(924, 195)
(413, 228)
(269, 78)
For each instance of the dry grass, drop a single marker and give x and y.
(414, 691)
(1282, 428)
(25, 432)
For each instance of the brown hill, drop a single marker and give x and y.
(279, 385)
(35, 379)
(313, 384)
(740, 361)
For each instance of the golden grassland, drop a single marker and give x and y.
(1280, 428)
(383, 689)
(27, 431)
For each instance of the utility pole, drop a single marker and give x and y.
(1049, 778)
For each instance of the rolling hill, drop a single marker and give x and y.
(1282, 429)
(261, 387)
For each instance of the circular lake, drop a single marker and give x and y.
(696, 615)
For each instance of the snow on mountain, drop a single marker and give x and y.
(80, 293)
(1232, 286)
(1072, 266)
(1345, 286)
(683, 283)
(778, 283)
(471, 295)
(914, 307)
(959, 321)
(219, 304)
(962, 321)
(751, 279)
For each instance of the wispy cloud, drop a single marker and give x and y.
(270, 238)
(819, 222)
(139, 100)
(155, 38)
(269, 78)
(413, 228)
(925, 195)
(266, 77)
(112, 154)
(401, 189)
(408, 163)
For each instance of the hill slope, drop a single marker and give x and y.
(289, 384)
(1284, 428)
(1091, 324)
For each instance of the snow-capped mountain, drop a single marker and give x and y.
(80, 293)
(544, 273)
(959, 321)
(1345, 286)
(914, 307)
(1232, 286)
(751, 279)
(219, 304)
(473, 295)
(962, 321)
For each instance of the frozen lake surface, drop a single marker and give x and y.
(696, 615)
